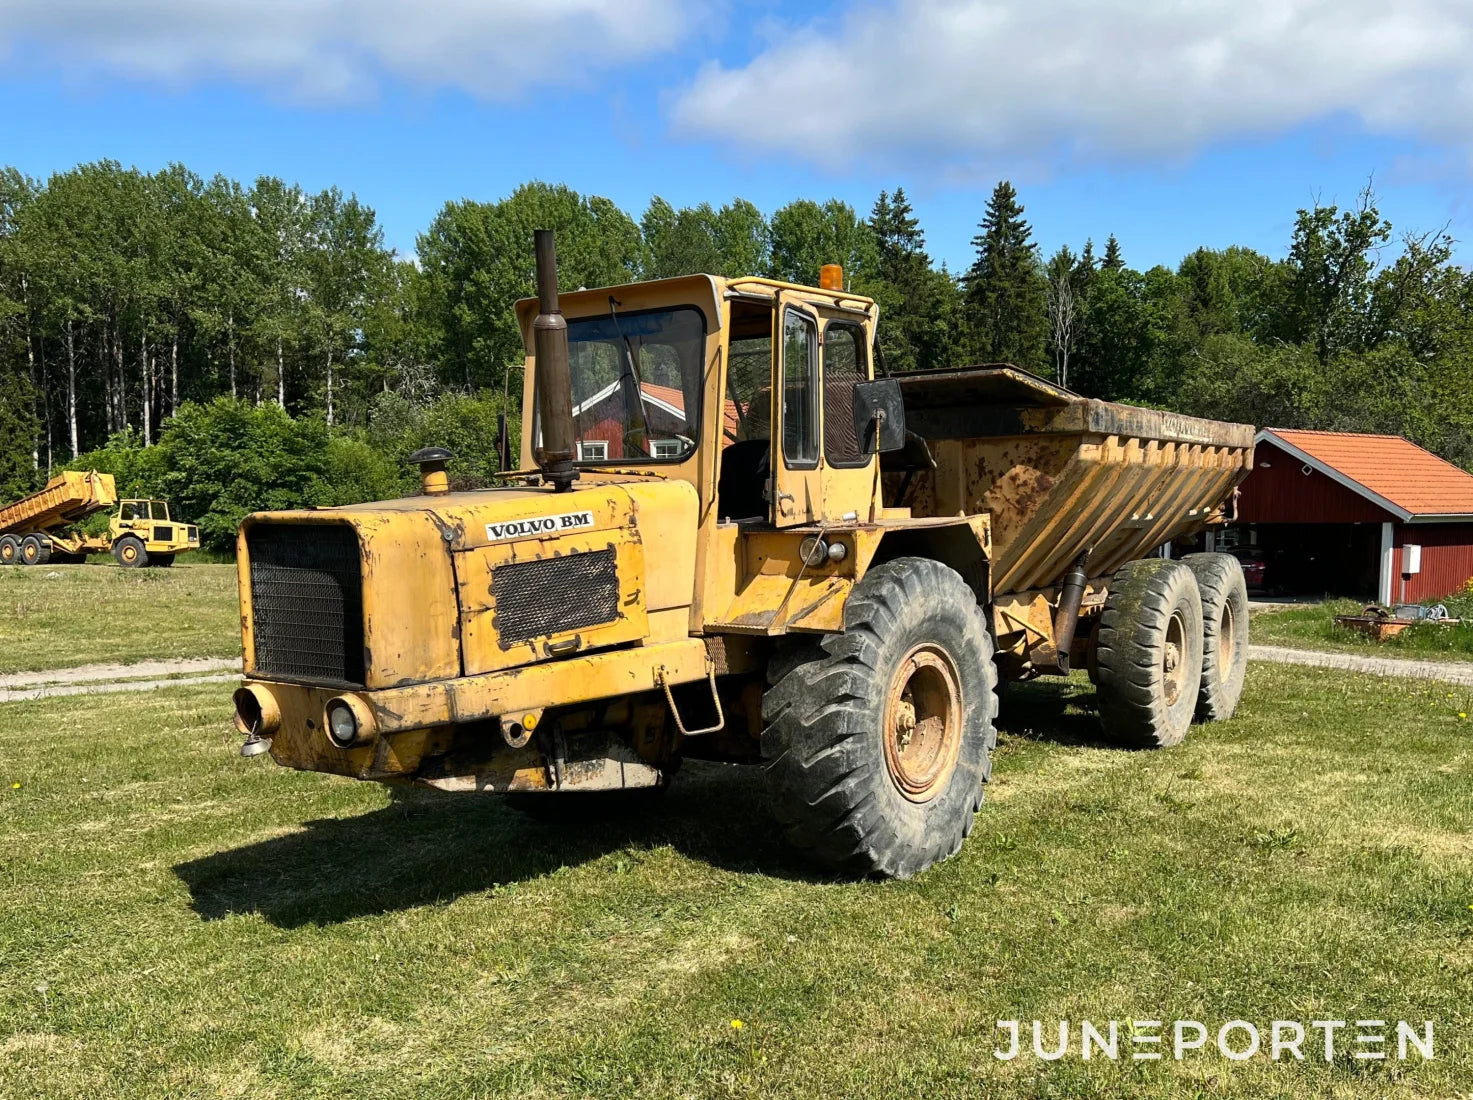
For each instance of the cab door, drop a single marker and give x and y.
(849, 475)
(795, 493)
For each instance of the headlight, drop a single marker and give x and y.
(349, 722)
(342, 727)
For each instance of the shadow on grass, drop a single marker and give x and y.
(1058, 711)
(428, 848)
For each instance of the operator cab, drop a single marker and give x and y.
(143, 510)
(652, 365)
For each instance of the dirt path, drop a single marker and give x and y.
(105, 678)
(147, 675)
(1452, 672)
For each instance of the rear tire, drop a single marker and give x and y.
(35, 550)
(879, 742)
(130, 553)
(1224, 633)
(9, 550)
(1149, 654)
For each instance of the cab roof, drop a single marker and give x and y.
(707, 291)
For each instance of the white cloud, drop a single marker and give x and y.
(334, 50)
(957, 85)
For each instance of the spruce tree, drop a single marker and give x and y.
(1006, 307)
(1112, 260)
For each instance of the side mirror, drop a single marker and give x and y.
(879, 416)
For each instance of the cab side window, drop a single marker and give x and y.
(844, 364)
(800, 404)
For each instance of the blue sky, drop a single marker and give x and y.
(1171, 129)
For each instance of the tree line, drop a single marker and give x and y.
(128, 298)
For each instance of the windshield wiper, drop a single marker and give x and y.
(638, 428)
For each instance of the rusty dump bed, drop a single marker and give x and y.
(70, 496)
(1060, 473)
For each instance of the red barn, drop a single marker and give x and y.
(1338, 512)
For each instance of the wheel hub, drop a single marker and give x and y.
(1226, 640)
(923, 723)
(1173, 667)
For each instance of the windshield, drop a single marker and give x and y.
(637, 384)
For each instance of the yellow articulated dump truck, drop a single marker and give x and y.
(731, 541)
(36, 530)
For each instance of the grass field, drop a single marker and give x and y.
(65, 615)
(177, 921)
(1313, 626)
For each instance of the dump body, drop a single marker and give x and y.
(1062, 476)
(70, 497)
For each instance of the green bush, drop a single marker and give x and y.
(357, 471)
(227, 459)
(467, 426)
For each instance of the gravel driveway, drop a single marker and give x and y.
(1452, 672)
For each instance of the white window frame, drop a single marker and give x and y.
(666, 448)
(593, 450)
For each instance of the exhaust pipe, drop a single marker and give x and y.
(1066, 617)
(554, 375)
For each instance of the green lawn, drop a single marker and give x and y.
(1313, 626)
(177, 921)
(64, 615)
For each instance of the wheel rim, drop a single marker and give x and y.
(1174, 659)
(923, 723)
(1227, 642)
(29, 553)
(130, 554)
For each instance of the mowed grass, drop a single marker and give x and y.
(65, 615)
(1313, 626)
(177, 921)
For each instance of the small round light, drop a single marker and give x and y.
(838, 552)
(342, 725)
(813, 550)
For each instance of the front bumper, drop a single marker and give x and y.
(416, 721)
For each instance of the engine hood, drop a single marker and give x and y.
(462, 583)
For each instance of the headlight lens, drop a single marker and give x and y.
(342, 725)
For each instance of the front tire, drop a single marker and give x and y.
(161, 561)
(130, 553)
(878, 743)
(1148, 654)
(1224, 633)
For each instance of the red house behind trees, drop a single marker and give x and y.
(1334, 511)
(599, 422)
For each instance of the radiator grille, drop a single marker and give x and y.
(535, 598)
(163, 534)
(307, 601)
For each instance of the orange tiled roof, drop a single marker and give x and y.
(1390, 467)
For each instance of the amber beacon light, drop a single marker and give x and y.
(831, 277)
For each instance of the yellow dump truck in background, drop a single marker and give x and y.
(38, 529)
(730, 540)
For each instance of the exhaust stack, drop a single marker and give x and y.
(554, 375)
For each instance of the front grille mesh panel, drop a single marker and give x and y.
(163, 534)
(307, 601)
(553, 595)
